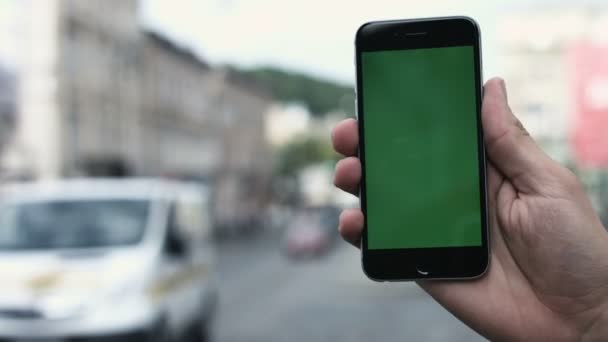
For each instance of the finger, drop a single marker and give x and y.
(345, 137)
(494, 180)
(348, 175)
(497, 187)
(351, 226)
(509, 146)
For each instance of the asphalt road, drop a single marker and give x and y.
(266, 297)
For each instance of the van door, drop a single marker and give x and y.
(194, 222)
(179, 276)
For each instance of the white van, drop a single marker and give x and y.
(116, 259)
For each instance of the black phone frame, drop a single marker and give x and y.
(423, 263)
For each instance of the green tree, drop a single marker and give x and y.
(302, 152)
(318, 95)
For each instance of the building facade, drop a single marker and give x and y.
(78, 84)
(96, 87)
(538, 72)
(243, 179)
(545, 84)
(99, 94)
(99, 75)
(204, 124)
(178, 94)
(8, 103)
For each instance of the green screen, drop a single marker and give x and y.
(421, 148)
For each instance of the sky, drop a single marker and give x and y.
(312, 36)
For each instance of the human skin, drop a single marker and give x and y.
(548, 273)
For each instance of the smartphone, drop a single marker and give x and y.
(423, 189)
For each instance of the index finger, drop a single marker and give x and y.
(345, 137)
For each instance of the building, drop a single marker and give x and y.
(534, 55)
(78, 85)
(242, 180)
(8, 101)
(100, 95)
(181, 134)
(546, 85)
(208, 125)
(99, 70)
(95, 86)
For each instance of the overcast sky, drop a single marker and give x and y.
(313, 36)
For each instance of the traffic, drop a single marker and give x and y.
(128, 259)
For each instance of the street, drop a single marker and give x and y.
(266, 297)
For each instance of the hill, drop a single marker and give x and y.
(320, 96)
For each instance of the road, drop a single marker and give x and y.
(265, 298)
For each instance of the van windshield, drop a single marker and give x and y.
(72, 224)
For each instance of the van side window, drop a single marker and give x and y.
(192, 215)
(174, 243)
(172, 218)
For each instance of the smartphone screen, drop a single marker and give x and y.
(421, 148)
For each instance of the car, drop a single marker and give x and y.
(312, 232)
(118, 259)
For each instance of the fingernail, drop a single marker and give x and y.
(503, 85)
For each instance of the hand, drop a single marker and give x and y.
(548, 275)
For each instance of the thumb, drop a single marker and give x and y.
(508, 144)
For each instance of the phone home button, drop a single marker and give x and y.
(421, 271)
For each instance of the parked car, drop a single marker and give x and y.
(117, 259)
(312, 232)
